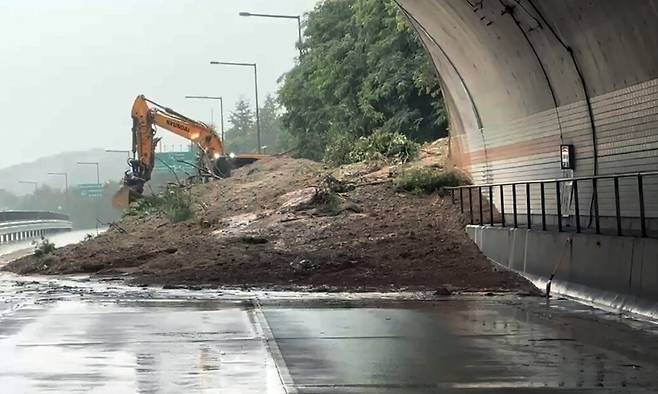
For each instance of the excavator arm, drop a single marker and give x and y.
(147, 115)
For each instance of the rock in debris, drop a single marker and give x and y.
(442, 291)
(303, 266)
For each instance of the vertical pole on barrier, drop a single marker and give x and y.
(470, 203)
(502, 206)
(491, 215)
(480, 204)
(640, 189)
(527, 205)
(461, 199)
(558, 200)
(595, 201)
(577, 204)
(617, 205)
(543, 206)
(516, 223)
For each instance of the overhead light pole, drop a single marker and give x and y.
(93, 163)
(221, 108)
(66, 179)
(124, 151)
(66, 186)
(256, 89)
(278, 16)
(98, 182)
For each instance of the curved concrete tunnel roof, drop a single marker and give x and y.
(521, 77)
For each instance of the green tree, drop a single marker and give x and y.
(273, 133)
(241, 136)
(364, 70)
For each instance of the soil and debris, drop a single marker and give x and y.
(286, 223)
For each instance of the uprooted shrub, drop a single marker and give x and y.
(43, 248)
(175, 203)
(381, 145)
(327, 199)
(429, 180)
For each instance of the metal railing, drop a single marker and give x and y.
(465, 195)
(15, 216)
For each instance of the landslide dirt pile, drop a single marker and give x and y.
(290, 223)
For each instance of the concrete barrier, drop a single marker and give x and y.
(618, 273)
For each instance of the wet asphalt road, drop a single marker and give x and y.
(76, 335)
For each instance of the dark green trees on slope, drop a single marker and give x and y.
(241, 135)
(363, 70)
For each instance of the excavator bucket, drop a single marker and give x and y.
(121, 199)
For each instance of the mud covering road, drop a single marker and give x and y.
(288, 224)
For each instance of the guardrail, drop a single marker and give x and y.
(559, 191)
(24, 225)
(14, 216)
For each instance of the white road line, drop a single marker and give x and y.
(273, 347)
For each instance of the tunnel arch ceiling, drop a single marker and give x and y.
(514, 91)
(521, 77)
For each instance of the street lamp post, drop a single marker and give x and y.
(66, 186)
(98, 182)
(299, 24)
(127, 152)
(256, 90)
(93, 163)
(221, 108)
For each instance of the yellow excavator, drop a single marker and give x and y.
(147, 115)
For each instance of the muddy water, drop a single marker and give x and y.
(77, 335)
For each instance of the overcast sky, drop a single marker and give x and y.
(70, 69)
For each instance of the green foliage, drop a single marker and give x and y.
(43, 248)
(428, 180)
(384, 145)
(381, 145)
(145, 206)
(175, 203)
(339, 151)
(242, 135)
(363, 70)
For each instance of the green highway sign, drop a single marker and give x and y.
(165, 161)
(91, 190)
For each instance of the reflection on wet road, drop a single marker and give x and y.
(80, 346)
(81, 336)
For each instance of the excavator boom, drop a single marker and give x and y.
(147, 115)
